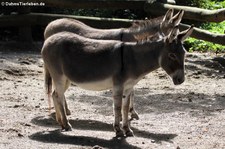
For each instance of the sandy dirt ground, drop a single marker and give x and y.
(191, 115)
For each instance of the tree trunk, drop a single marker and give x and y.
(205, 35)
(193, 13)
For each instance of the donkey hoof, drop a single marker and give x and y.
(68, 112)
(129, 134)
(119, 134)
(134, 116)
(127, 131)
(68, 127)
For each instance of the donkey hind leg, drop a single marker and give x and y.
(117, 103)
(134, 114)
(68, 112)
(125, 111)
(59, 103)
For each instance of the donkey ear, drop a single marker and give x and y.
(186, 33)
(173, 34)
(177, 18)
(168, 15)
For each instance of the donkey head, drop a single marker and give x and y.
(173, 54)
(169, 21)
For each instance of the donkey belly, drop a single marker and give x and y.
(96, 85)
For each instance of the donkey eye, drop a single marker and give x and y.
(172, 56)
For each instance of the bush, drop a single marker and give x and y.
(199, 45)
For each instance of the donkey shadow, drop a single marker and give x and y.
(99, 126)
(146, 101)
(210, 67)
(57, 137)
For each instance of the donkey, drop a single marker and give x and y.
(114, 65)
(139, 30)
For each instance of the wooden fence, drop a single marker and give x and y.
(25, 19)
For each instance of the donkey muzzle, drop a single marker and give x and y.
(178, 77)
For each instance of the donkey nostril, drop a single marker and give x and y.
(179, 80)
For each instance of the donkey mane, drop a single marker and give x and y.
(146, 24)
(145, 28)
(153, 44)
(149, 38)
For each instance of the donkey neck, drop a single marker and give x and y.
(128, 36)
(143, 29)
(131, 34)
(142, 58)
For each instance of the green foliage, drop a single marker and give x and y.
(207, 4)
(199, 45)
(210, 4)
(203, 46)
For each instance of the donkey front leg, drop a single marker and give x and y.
(125, 111)
(117, 101)
(59, 103)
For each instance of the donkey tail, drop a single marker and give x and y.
(48, 86)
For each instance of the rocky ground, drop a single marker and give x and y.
(191, 115)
